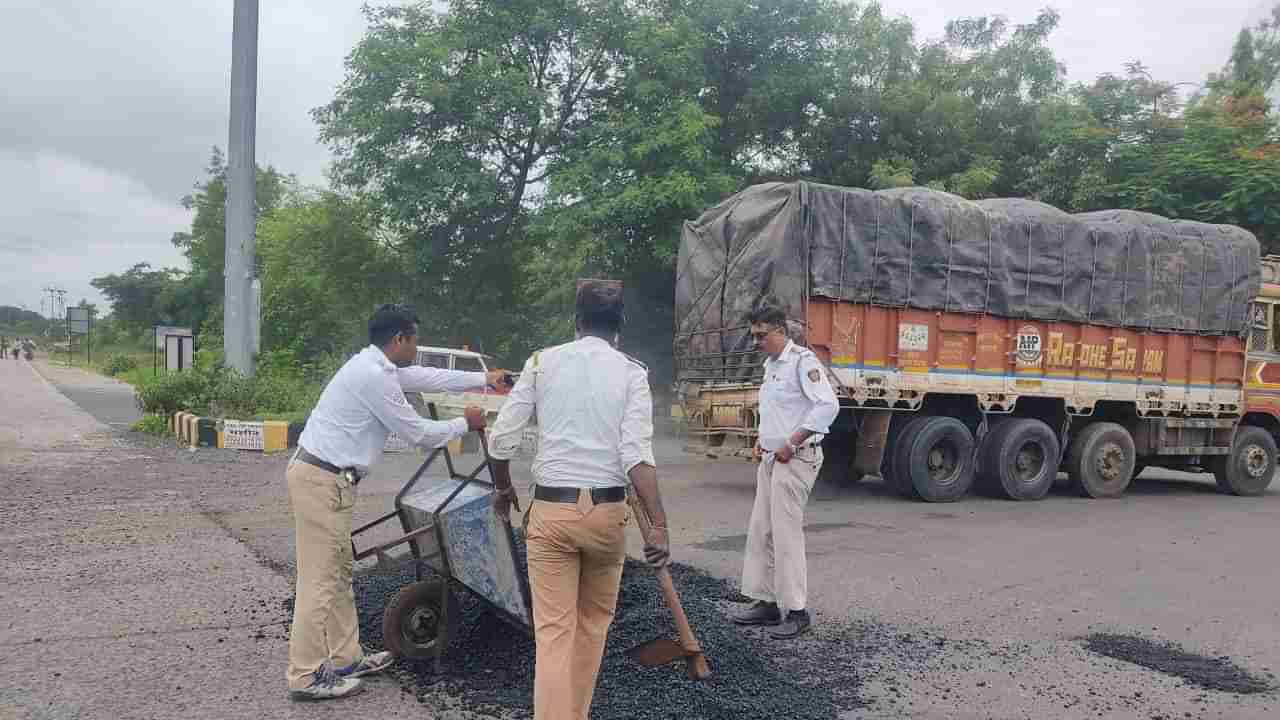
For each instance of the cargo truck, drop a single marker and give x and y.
(989, 344)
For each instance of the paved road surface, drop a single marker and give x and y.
(120, 555)
(123, 596)
(109, 401)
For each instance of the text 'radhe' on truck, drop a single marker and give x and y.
(991, 342)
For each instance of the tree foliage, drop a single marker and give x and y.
(323, 270)
(142, 297)
(205, 245)
(489, 152)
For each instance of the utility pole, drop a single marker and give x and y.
(239, 310)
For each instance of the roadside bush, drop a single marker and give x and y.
(152, 425)
(278, 389)
(171, 392)
(119, 363)
(230, 393)
(282, 393)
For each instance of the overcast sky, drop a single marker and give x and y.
(108, 109)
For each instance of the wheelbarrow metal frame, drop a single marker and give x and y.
(445, 570)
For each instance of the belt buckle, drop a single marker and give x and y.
(351, 476)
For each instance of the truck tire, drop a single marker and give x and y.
(1100, 460)
(1248, 470)
(1020, 459)
(889, 470)
(413, 624)
(934, 459)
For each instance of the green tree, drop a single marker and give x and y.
(142, 297)
(963, 114)
(451, 120)
(323, 271)
(205, 244)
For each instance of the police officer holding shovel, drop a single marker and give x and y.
(797, 406)
(345, 433)
(595, 433)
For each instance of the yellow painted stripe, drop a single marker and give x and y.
(275, 436)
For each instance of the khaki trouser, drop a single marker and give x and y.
(774, 569)
(324, 611)
(576, 553)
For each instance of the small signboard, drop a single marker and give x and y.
(78, 320)
(395, 444)
(163, 330)
(179, 352)
(243, 435)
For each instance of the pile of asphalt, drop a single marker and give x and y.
(1210, 673)
(489, 666)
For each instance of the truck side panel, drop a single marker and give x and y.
(893, 357)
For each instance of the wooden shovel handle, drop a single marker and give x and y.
(687, 640)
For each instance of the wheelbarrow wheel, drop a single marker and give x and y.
(414, 623)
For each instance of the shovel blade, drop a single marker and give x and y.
(657, 652)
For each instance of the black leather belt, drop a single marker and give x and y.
(329, 467)
(570, 495)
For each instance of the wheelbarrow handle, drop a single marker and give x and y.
(488, 461)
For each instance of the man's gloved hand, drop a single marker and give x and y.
(475, 417)
(503, 500)
(657, 551)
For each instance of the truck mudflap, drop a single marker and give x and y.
(873, 434)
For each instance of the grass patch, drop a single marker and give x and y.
(137, 376)
(125, 363)
(152, 425)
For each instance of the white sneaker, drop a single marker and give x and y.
(328, 685)
(367, 665)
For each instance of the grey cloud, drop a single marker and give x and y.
(108, 108)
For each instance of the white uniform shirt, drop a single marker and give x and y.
(365, 401)
(594, 413)
(795, 395)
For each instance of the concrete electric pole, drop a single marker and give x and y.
(240, 312)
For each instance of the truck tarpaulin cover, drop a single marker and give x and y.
(926, 249)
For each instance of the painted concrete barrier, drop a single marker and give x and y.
(262, 435)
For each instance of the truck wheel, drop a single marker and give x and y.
(891, 472)
(414, 623)
(1020, 459)
(1100, 460)
(1250, 466)
(934, 459)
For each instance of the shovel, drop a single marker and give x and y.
(664, 650)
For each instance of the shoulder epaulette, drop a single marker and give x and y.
(642, 365)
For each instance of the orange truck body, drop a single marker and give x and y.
(893, 357)
(1196, 388)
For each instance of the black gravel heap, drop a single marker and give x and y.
(1211, 673)
(489, 665)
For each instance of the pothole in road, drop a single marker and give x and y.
(1211, 673)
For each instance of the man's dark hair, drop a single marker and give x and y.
(599, 307)
(389, 321)
(767, 312)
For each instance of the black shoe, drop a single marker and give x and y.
(759, 613)
(796, 624)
